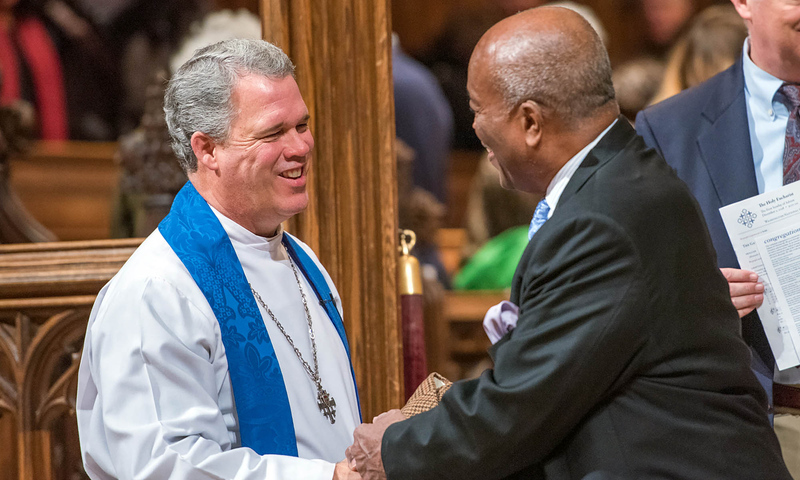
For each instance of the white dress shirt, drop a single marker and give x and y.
(154, 392)
(767, 117)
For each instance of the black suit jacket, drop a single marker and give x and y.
(704, 135)
(626, 361)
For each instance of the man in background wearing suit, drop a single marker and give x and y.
(725, 139)
(626, 361)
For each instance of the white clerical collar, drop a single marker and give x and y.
(562, 178)
(759, 85)
(244, 237)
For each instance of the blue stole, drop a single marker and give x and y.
(194, 233)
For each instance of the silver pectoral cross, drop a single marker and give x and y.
(327, 405)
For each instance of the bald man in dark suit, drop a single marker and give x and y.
(626, 361)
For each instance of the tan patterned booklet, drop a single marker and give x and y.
(427, 395)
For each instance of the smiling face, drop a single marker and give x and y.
(774, 28)
(257, 176)
(495, 126)
(539, 83)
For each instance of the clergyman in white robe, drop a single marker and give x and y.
(154, 395)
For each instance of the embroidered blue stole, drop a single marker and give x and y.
(194, 233)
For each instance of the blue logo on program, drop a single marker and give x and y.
(747, 218)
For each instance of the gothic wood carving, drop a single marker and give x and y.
(46, 294)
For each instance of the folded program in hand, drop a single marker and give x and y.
(427, 395)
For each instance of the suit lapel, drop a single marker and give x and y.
(608, 146)
(724, 144)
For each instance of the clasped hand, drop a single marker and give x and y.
(364, 455)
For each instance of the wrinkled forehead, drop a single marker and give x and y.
(254, 88)
(268, 99)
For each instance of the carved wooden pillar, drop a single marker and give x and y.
(342, 50)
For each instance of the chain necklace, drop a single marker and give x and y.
(325, 402)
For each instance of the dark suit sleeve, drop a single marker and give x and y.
(579, 332)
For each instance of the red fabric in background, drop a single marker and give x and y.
(42, 59)
(415, 363)
(9, 69)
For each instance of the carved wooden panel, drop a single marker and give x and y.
(46, 294)
(42, 351)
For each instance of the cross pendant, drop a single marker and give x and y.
(327, 405)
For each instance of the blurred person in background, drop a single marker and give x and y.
(423, 120)
(143, 36)
(712, 43)
(635, 83)
(664, 20)
(31, 68)
(89, 75)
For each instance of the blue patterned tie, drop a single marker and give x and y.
(539, 217)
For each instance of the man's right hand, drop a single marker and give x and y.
(344, 472)
(747, 293)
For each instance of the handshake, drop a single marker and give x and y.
(364, 455)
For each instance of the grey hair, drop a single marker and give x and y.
(198, 96)
(568, 73)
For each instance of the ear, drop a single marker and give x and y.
(204, 148)
(531, 118)
(743, 8)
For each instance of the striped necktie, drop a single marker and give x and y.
(791, 151)
(539, 217)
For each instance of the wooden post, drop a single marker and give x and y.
(342, 50)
